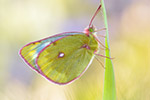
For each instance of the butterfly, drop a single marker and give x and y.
(64, 57)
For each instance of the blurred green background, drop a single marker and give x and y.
(24, 21)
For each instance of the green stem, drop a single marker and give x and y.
(109, 92)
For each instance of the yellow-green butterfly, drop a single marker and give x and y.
(64, 57)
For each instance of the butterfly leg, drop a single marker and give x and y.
(101, 36)
(100, 30)
(100, 42)
(101, 47)
(103, 56)
(100, 62)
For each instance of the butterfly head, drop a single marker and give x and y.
(90, 30)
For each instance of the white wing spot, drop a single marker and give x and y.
(61, 54)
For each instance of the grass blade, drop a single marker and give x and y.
(109, 92)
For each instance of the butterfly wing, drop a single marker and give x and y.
(66, 59)
(30, 51)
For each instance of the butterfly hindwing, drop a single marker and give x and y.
(67, 58)
(30, 51)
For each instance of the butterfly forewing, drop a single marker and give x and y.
(30, 51)
(67, 58)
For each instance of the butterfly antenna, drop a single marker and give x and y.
(98, 9)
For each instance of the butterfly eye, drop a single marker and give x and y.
(61, 54)
(91, 30)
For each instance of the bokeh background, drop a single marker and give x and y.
(24, 21)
